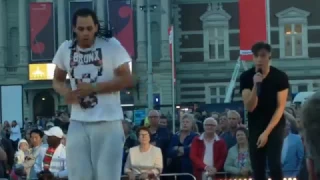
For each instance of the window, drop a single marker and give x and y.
(293, 40)
(215, 33)
(293, 33)
(297, 86)
(216, 43)
(216, 93)
(303, 88)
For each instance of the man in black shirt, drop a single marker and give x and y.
(264, 92)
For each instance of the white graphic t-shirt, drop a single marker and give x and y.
(93, 65)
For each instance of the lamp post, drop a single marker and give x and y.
(148, 9)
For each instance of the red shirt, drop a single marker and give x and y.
(48, 158)
(197, 151)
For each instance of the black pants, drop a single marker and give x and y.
(270, 153)
(15, 144)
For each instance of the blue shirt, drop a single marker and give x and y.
(229, 138)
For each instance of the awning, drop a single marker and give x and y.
(38, 85)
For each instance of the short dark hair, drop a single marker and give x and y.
(143, 128)
(244, 130)
(259, 46)
(103, 32)
(37, 131)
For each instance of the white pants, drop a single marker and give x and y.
(94, 150)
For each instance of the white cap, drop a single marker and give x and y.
(54, 131)
(22, 141)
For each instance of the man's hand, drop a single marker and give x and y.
(262, 140)
(211, 170)
(257, 78)
(71, 97)
(131, 176)
(144, 176)
(180, 151)
(84, 89)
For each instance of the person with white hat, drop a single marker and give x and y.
(51, 162)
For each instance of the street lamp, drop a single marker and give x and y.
(148, 9)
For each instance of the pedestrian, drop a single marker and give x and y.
(98, 68)
(264, 91)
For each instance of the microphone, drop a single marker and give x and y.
(258, 84)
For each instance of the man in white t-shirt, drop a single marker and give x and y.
(98, 69)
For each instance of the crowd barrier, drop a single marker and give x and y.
(226, 176)
(223, 176)
(174, 175)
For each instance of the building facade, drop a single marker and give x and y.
(208, 46)
(206, 43)
(39, 99)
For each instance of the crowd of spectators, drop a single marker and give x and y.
(205, 145)
(211, 145)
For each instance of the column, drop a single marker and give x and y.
(100, 10)
(164, 30)
(61, 21)
(141, 31)
(3, 33)
(23, 36)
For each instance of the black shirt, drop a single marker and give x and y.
(274, 82)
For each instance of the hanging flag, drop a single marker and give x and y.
(171, 46)
(122, 21)
(42, 31)
(253, 25)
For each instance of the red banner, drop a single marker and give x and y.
(171, 46)
(121, 19)
(42, 32)
(253, 25)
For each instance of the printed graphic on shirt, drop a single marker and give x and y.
(86, 67)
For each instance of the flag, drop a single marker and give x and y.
(122, 22)
(253, 25)
(42, 31)
(171, 46)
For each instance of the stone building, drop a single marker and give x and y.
(39, 99)
(206, 48)
(207, 45)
